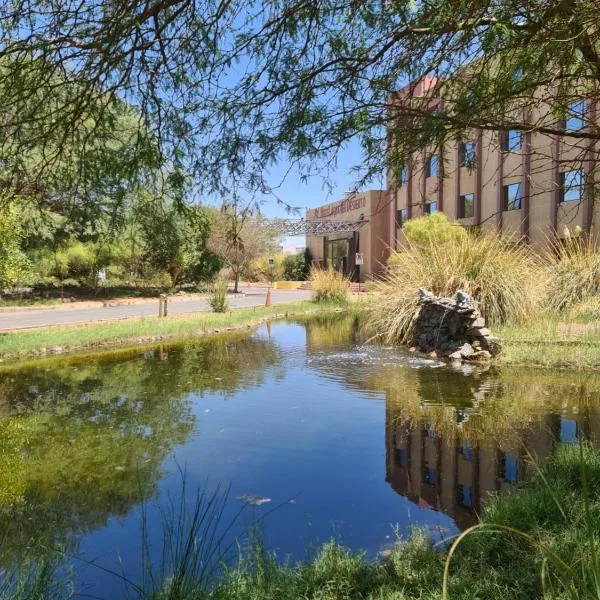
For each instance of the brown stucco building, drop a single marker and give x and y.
(372, 240)
(528, 184)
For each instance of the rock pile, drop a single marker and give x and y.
(454, 328)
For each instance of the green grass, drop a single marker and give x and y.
(555, 342)
(144, 330)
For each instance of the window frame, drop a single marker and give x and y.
(401, 217)
(564, 190)
(575, 115)
(471, 162)
(404, 176)
(429, 205)
(436, 163)
(506, 201)
(506, 141)
(462, 206)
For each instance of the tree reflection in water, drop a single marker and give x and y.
(84, 441)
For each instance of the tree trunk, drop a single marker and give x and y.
(236, 281)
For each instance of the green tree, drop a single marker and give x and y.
(14, 266)
(238, 237)
(314, 75)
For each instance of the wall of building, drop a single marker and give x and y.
(536, 166)
(373, 240)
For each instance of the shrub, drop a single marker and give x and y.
(574, 271)
(329, 285)
(259, 269)
(296, 267)
(218, 300)
(433, 229)
(505, 279)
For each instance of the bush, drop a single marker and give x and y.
(296, 267)
(259, 269)
(329, 285)
(574, 272)
(218, 300)
(505, 279)
(433, 229)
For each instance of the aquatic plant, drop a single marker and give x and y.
(497, 272)
(574, 271)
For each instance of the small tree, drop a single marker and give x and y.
(238, 237)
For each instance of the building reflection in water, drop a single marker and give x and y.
(454, 435)
(443, 470)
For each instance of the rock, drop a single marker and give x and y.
(433, 354)
(412, 349)
(462, 299)
(466, 351)
(476, 344)
(493, 344)
(423, 293)
(478, 323)
(455, 356)
(481, 355)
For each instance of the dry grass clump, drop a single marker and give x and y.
(574, 271)
(506, 279)
(329, 285)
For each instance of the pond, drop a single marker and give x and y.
(306, 429)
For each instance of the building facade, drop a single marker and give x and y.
(371, 241)
(527, 184)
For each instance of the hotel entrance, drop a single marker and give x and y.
(358, 225)
(340, 252)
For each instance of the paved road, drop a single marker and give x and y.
(178, 305)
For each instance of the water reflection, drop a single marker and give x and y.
(455, 434)
(84, 441)
(365, 439)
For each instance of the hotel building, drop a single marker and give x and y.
(526, 184)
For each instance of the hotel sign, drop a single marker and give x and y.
(340, 208)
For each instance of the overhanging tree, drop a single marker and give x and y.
(231, 87)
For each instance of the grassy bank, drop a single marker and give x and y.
(536, 542)
(62, 339)
(568, 340)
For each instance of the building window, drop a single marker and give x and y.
(404, 176)
(467, 154)
(430, 475)
(465, 495)
(510, 469)
(401, 218)
(512, 196)
(512, 140)
(401, 458)
(569, 432)
(575, 116)
(432, 166)
(466, 206)
(571, 186)
(466, 451)
(431, 207)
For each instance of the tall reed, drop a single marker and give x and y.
(218, 299)
(329, 285)
(506, 279)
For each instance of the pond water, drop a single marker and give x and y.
(316, 434)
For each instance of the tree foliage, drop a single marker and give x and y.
(14, 266)
(230, 87)
(238, 237)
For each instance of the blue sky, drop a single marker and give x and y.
(312, 193)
